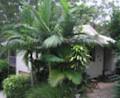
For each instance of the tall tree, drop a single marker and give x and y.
(49, 33)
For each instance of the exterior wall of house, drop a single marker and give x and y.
(20, 64)
(95, 68)
(114, 61)
(110, 60)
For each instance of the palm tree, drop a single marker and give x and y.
(46, 30)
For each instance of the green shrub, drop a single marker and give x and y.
(43, 91)
(15, 86)
(117, 90)
(3, 71)
(118, 66)
(3, 65)
(46, 91)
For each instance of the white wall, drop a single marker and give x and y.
(114, 61)
(20, 65)
(95, 69)
(110, 61)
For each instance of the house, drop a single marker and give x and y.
(103, 58)
(103, 62)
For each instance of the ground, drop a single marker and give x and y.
(104, 90)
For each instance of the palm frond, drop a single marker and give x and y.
(44, 27)
(45, 10)
(8, 33)
(26, 26)
(67, 22)
(51, 59)
(26, 14)
(43, 15)
(65, 5)
(53, 41)
(15, 43)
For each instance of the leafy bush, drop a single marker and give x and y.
(118, 63)
(3, 65)
(117, 90)
(46, 91)
(72, 68)
(3, 71)
(118, 66)
(15, 86)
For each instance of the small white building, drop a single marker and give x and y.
(103, 63)
(21, 67)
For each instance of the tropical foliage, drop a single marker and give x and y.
(46, 33)
(16, 85)
(3, 65)
(51, 35)
(117, 90)
(114, 27)
(46, 91)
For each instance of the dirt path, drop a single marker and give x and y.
(104, 90)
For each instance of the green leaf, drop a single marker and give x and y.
(75, 77)
(65, 5)
(55, 77)
(53, 41)
(3, 64)
(26, 14)
(45, 10)
(43, 14)
(52, 58)
(41, 22)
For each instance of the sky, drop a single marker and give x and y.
(106, 7)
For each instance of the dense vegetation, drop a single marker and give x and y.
(46, 31)
(15, 86)
(56, 49)
(114, 29)
(47, 34)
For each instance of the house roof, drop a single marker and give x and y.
(91, 35)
